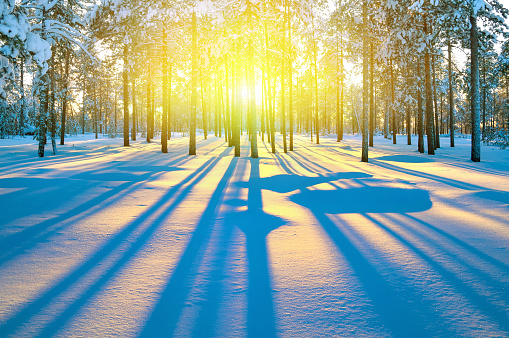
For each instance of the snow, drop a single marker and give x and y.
(39, 48)
(105, 240)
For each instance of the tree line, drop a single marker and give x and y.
(143, 68)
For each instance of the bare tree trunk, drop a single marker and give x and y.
(95, 108)
(408, 120)
(252, 99)
(290, 78)
(420, 112)
(164, 126)
(170, 126)
(342, 112)
(483, 99)
(435, 98)
(133, 126)
(365, 83)
(238, 102)
(149, 101)
(317, 122)
(228, 123)
(53, 116)
(203, 108)
(394, 131)
(474, 96)
(283, 108)
(194, 84)
(451, 98)
(22, 106)
(429, 96)
(64, 101)
(126, 99)
(371, 95)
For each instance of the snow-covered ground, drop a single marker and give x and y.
(101, 240)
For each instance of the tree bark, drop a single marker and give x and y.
(371, 95)
(149, 101)
(203, 109)
(238, 102)
(194, 84)
(290, 78)
(435, 98)
(126, 98)
(164, 126)
(365, 82)
(283, 108)
(420, 112)
(429, 96)
(252, 99)
(317, 122)
(394, 131)
(451, 98)
(474, 95)
(133, 126)
(408, 120)
(64, 101)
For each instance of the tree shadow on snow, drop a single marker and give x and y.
(405, 159)
(144, 221)
(256, 225)
(392, 306)
(40, 195)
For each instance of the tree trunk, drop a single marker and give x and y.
(133, 126)
(420, 112)
(252, 99)
(169, 102)
(126, 99)
(342, 112)
(451, 98)
(429, 96)
(365, 83)
(115, 112)
(474, 95)
(227, 101)
(238, 102)
(435, 98)
(95, 109)
(317, 122)
(203, 109)
(394, 131)
(194, 75)
(483, 99)
(164, 126)
(53, 116)
(408, 120)
(64, 101)
(371, 95)
(22, 106)
(283, 109)
(290, 78)
(149, 101)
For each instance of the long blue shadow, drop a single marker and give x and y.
(286, 183)
(480, 302)
(138, 244)
(405, 159)
(31, 309)
(394, 308)
(256, 225)
(164, 318)
(19, 242)
(213, 290)
(364, 200)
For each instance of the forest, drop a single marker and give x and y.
(149, 69)
(254, 168)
